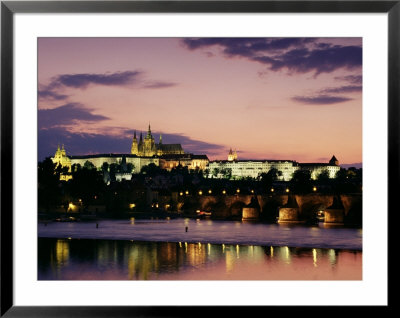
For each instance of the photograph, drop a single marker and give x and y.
(200, 158)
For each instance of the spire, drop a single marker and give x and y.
(141, 137)
(334, 161)
(134, 135)
(149, 131)
(160, 139)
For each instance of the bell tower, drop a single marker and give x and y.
(134, 147)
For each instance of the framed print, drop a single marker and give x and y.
(165, 157)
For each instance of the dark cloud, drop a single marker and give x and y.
(357, 165)
(85, 143)
(318, 61)
(66, 115)
(320, 99)
(352, 79)
(246, 46)
(84, 80)
(159, 85)
(342, 89)
(50, 95)
(291, 54)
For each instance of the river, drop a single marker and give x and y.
(190, 249)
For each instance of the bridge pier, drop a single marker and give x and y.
(334, 217)
(289, 213)
(334, 214)
(249, 213)
(252, 210)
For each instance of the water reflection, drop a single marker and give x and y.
(75, 259)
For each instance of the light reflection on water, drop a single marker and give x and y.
(80, 259)
(208, 231)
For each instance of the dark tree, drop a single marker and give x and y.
(49, 184)
(86, 184)
(301, 181)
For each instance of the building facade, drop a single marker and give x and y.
(332, 167)
(238, 169)
(189, 160)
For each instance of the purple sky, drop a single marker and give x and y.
(269, 98)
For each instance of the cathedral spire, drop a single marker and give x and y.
(149, 131)
(134, 135)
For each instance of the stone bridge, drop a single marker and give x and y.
(238, 206)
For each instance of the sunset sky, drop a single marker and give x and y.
(268, 98)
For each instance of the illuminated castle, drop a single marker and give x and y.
(148, 147)
(143, 153)
(239, 169)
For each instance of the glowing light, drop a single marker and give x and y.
(332, 256)
(80, 200)
(71, 206)
(132, 205)
(237, 190)
(314, 189)
(132, 220)
(223, 192)
(287, 190)
(209, 191)
(187, 192)
(314, 253)
(157, 205)
(181, 193)
(185, 247)
(180, 244)
(200, 192)
(208, 248)
(272, 190)
(223, 248)
(252, 191)
(272, 251)
(237, 251)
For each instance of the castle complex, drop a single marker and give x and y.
(143, 152)
(168, 156)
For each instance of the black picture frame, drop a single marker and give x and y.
(9, 8)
